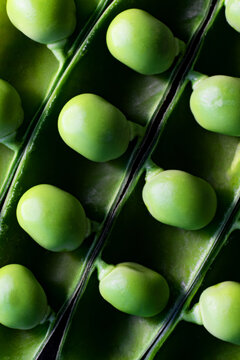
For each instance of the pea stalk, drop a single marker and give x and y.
(196, 77)
(193, 315)
(103, 268)
(58, 50)
(152, 169)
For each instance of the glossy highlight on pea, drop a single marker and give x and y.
(179, 199)
(133, 288)
(215, 104)
(94, 128)
(54, 218)
(218, 311)
(142, 42)
(11, 112)
(23, 303)
(232, 13)
(43, 21)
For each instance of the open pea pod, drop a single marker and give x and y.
(33, 70)
(182, 256)
(47, 160)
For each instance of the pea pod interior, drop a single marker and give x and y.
(47, 159)
(34, 72)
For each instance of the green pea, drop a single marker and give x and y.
(23, 303)
(43, 21)
(232, 13)
(177, 198)
(215, 104)
(220, 311)
(52, 217)
(11, 112)
(135, 289)
(94, 128)
(142, 42)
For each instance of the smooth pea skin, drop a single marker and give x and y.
(135, 289)
(215, 104)
(142, 42)
(23, 303)
(11, 112)
(180, 199)
(232, 13)
(94, 128)
(52, 217)
(43, 21)
(220, 311)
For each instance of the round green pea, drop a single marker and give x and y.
(220, 311)
(52, 217)
(232, 13)
(180, 199)
(11, 112)
(43, 21)
(94, 128)
(135, 289)
(215, 104)
(23, 303)
(142, 42)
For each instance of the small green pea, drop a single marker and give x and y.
(135, 289)
(180, 199)
(142, 42)
(232, 13)
(52, 217)
(220, 311)
(94, 128)
(43, 21)
(23, 303)
(215, 104)
(11, 112)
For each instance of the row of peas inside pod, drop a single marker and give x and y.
(31, 68)
(200, 187)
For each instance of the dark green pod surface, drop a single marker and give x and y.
(215, 104)
(94, 128)
(53, 218)
(232, 13)
(135, 289)
(220, 311)
(180, 199)
(23, 303)
(142, 42)
(11, 112)
(44, 22)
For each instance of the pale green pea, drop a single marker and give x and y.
(180, 199)
(11, 112)
(134, 289)
(53, 218)
(94, 128)
(232, 13)
(43, 21)
(23, 303)
(142, 42)
(215, 104)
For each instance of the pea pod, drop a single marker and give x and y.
(104, 189)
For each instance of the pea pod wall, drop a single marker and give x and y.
(34, 72)
(96, 185)
(181, 256)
